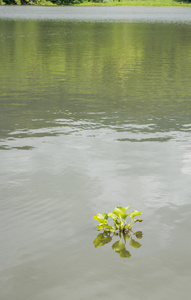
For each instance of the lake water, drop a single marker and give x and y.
(95, 112)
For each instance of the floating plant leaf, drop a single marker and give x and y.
(108, 226)
(121, 211)
(102, 218)
(124, 253)
(118, 246)
(119, 217)
(100, 227)
(138, 234)
(135, 213)
(120, 228)
(113, 216)
(134, 243)
(101, 240)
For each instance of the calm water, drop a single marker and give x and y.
(95, 112)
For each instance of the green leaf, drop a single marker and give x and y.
(135, 213)
(124, 253)
(104, 226)
(118, 246)
(101, 240)
(102, 218)
(113, 216)
(124, 216)
(134, 244)
(138, 234)
(120, 211)
(124, 209)
(100, 227)
(108, 226)
(117, 212)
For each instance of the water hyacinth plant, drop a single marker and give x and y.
(121, 228)
(119, 217)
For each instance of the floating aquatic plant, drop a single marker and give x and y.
(120, 228)
(119, 246)
(119, 217)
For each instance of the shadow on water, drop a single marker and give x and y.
(120, 246)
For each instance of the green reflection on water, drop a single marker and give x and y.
(119, 246)
(136, 72)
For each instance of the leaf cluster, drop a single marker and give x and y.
(119, 246)
(119, 217)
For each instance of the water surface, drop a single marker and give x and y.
(93, 115)
(109, 14)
